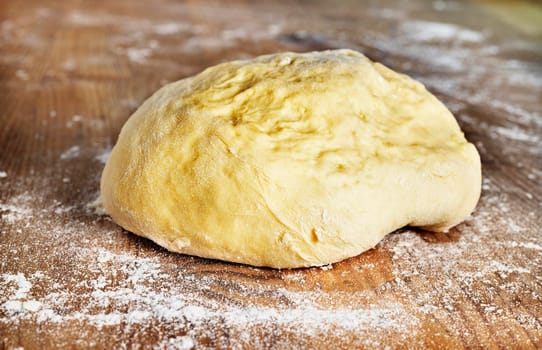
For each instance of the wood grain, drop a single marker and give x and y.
(71, 73)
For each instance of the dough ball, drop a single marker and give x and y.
(289, 160)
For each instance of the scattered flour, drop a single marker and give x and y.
(178, 343)
(3, 174)
(138, 54)
(17, 302)
(74, 120)
(170, 28)
(517, 134)
(21, 283)
(71, 152)
(93, 279)
(527, 245)
(104, 155)
(95, 207)
(16, 208)
(437, 31)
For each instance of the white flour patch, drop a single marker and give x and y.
(517, 134)
(22, 284)
(231, 36)
(177, 343)
(499, 267)
(104, 155)
(71, 152)
(19, 287)
(521, 116)
(3, 174)
(16, 208)
(173, 28)
(32, 305)
(387, 13)
(138, 54)
(438, 31)
(528, 245)
(75, 119)
(96, 207)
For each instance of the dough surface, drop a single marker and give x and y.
(289, 160)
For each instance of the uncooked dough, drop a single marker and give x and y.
(289, 160)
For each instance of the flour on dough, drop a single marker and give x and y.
(289, 160)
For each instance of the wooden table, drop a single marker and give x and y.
(72, 72)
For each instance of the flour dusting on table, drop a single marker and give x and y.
(68, 272)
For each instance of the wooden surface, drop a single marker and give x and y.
(72, 72)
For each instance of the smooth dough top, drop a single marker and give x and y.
(289, 160)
